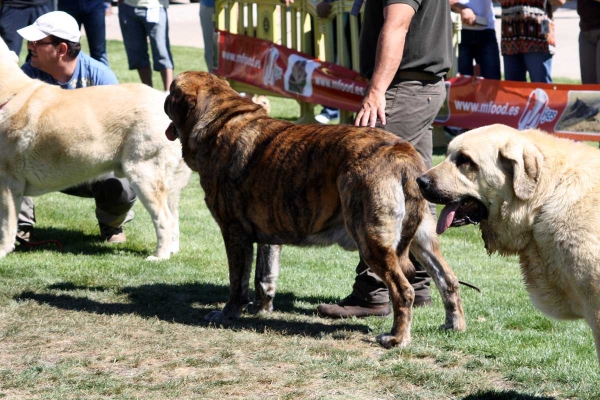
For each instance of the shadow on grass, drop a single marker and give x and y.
(504, 395)
(188, 304)
(73, 242)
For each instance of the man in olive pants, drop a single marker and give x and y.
(405, 52)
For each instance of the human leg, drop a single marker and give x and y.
(369, 297)
(466, 53)
(539, 66)
(514, 68)
(114, 200)
(132, 22)
(208, 26)
(12, 19)
(589, 56)
(145, 74)
(94, 22)
(26, 219)
(167, 77)
(488, 54)
(161, 47)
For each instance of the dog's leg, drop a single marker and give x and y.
(265, 277)
(592, 317)
(11, 195)
(425, 248)
(388, 266)
(179, 180)
(373, 218)
(240, 251)
(148, 183)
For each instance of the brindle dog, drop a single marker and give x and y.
(272, 182)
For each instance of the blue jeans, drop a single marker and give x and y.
(90, 14)
(136, 28)
(539, 66)
(12, 18)
(481, 46)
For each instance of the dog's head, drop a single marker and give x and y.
(487, 172)
(199, 105)
(197, 99)
(11, 75)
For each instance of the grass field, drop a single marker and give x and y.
(94, 321)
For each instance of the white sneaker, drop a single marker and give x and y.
(327, 115)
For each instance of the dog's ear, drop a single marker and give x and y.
(525, 161)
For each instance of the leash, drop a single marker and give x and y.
(32, 245)
(470, 285)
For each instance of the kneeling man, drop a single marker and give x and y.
(56, 58)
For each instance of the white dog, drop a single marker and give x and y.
(52, 139)
(536, 196)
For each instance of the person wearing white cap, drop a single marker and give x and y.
(15, 14)
(56, 58)
(56, 55)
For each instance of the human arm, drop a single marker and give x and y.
(467, 15)
(324, 8)
(557, 3)
(390, 48)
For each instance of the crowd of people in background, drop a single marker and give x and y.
(527, 44)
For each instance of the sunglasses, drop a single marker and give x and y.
(37, 43)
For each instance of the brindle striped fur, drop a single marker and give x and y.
(272, 182)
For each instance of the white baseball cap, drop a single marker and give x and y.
(55, 23)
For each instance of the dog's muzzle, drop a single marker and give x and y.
(457, 211)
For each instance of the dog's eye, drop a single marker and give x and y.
(464, 160)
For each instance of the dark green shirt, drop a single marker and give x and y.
(428, 46)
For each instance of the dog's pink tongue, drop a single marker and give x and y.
(169, 132)
(446, 217)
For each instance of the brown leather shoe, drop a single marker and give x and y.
(352, 307)
(25, 232)
(111, 234)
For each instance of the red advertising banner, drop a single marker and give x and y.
(287, 72)
(565, 110)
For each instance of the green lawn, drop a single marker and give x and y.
(94, 321)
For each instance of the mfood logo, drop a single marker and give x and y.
(536, 111)
(271, 72)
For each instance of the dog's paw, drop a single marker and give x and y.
(9, 249)
(388, 341)
(259, 308)
(455, 325)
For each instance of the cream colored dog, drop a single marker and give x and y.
(536, 196)
(51, 139)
